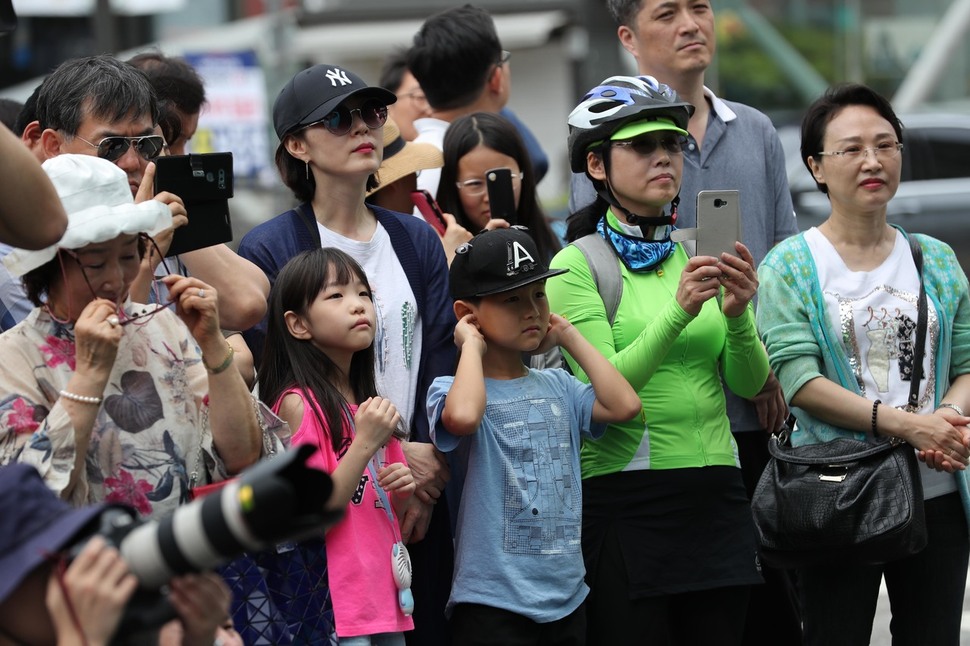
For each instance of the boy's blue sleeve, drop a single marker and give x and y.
(442, 439)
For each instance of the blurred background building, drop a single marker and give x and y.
(777, 55)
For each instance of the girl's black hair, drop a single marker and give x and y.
(584, 221)
(289, 362)
(495, 132)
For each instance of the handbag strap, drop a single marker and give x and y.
(784, 438)
(921, 315)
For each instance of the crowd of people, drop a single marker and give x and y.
(482, 496)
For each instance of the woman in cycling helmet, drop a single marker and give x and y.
(667, 534)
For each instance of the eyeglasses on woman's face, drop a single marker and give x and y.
(648, 144)
(882, 151)
(339, 122)
(477, 187)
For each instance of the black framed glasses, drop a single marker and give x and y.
(151, 309)
(339, 122)
(114, 147)
(646, 145)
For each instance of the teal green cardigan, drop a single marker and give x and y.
(801, 345)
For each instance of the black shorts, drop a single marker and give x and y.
(679, 530)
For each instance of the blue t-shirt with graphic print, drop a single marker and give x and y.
(518, 537)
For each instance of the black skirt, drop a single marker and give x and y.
(678, 530)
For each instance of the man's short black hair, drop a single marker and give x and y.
(453, 55)
(28, 113)
(9, 111)
(174, 80)
(108, 88)
(624, 12)
(393, 69)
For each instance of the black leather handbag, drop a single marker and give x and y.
(844, 500)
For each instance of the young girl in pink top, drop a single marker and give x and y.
(318, 368)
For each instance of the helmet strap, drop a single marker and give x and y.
(604, 190)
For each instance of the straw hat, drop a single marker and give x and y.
(401, 158)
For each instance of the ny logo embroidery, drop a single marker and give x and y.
(338, 75)
(517, 256)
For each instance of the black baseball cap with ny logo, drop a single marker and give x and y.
(315, 92)
(497, 261)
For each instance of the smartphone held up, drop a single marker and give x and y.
(429, 210)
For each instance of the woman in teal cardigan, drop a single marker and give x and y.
(837, 311)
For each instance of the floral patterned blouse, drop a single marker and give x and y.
(146, 437)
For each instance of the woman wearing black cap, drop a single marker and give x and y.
(331, 142)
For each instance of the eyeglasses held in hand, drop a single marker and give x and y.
(114, 148)
(152, 309)
(885, 150)
(477, 187)
(647, 145)
(339, 122)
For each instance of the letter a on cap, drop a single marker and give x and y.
(517, 255)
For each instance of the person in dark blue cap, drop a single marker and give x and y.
(330, 124)
(47, 598)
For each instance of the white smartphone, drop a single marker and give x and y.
(718, 223)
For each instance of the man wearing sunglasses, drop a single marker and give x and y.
(731, 146)
(105, 107)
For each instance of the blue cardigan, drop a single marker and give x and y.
(272, 244)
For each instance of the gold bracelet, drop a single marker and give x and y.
(222, 366)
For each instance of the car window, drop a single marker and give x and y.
(940, 153)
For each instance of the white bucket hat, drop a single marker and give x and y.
(99, 205)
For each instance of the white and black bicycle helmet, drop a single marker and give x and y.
(616, 102)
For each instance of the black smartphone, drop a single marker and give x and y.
(718, 222)
(429, 210)
(204, 182)
(501, 194)
(8, 17)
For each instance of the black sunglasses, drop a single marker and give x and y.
(373, 113)
(114, 148)
(647, 144)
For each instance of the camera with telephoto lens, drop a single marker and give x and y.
(275, 501)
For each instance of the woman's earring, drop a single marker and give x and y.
(307, 168)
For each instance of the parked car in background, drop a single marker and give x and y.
(934, 194)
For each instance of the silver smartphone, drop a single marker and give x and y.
(718, 223)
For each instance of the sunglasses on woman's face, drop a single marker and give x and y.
(339, 122)
(114, 148)
(646, 145)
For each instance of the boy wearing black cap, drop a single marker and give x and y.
(518, 567)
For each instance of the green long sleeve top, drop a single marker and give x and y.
(675, 362)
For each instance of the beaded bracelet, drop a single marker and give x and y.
(953, 407)
(83, 399)
(875, 410)
(225, 362)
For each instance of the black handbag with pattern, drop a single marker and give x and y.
(844, 500)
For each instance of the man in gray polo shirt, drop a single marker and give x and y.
(731, 146)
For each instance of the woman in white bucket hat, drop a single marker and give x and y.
(109, 398)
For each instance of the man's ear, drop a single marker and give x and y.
(51, 142)
(296, 325)
(628, 39)
(595, 166)
(463, 308)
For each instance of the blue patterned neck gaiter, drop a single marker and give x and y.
(637, 254)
